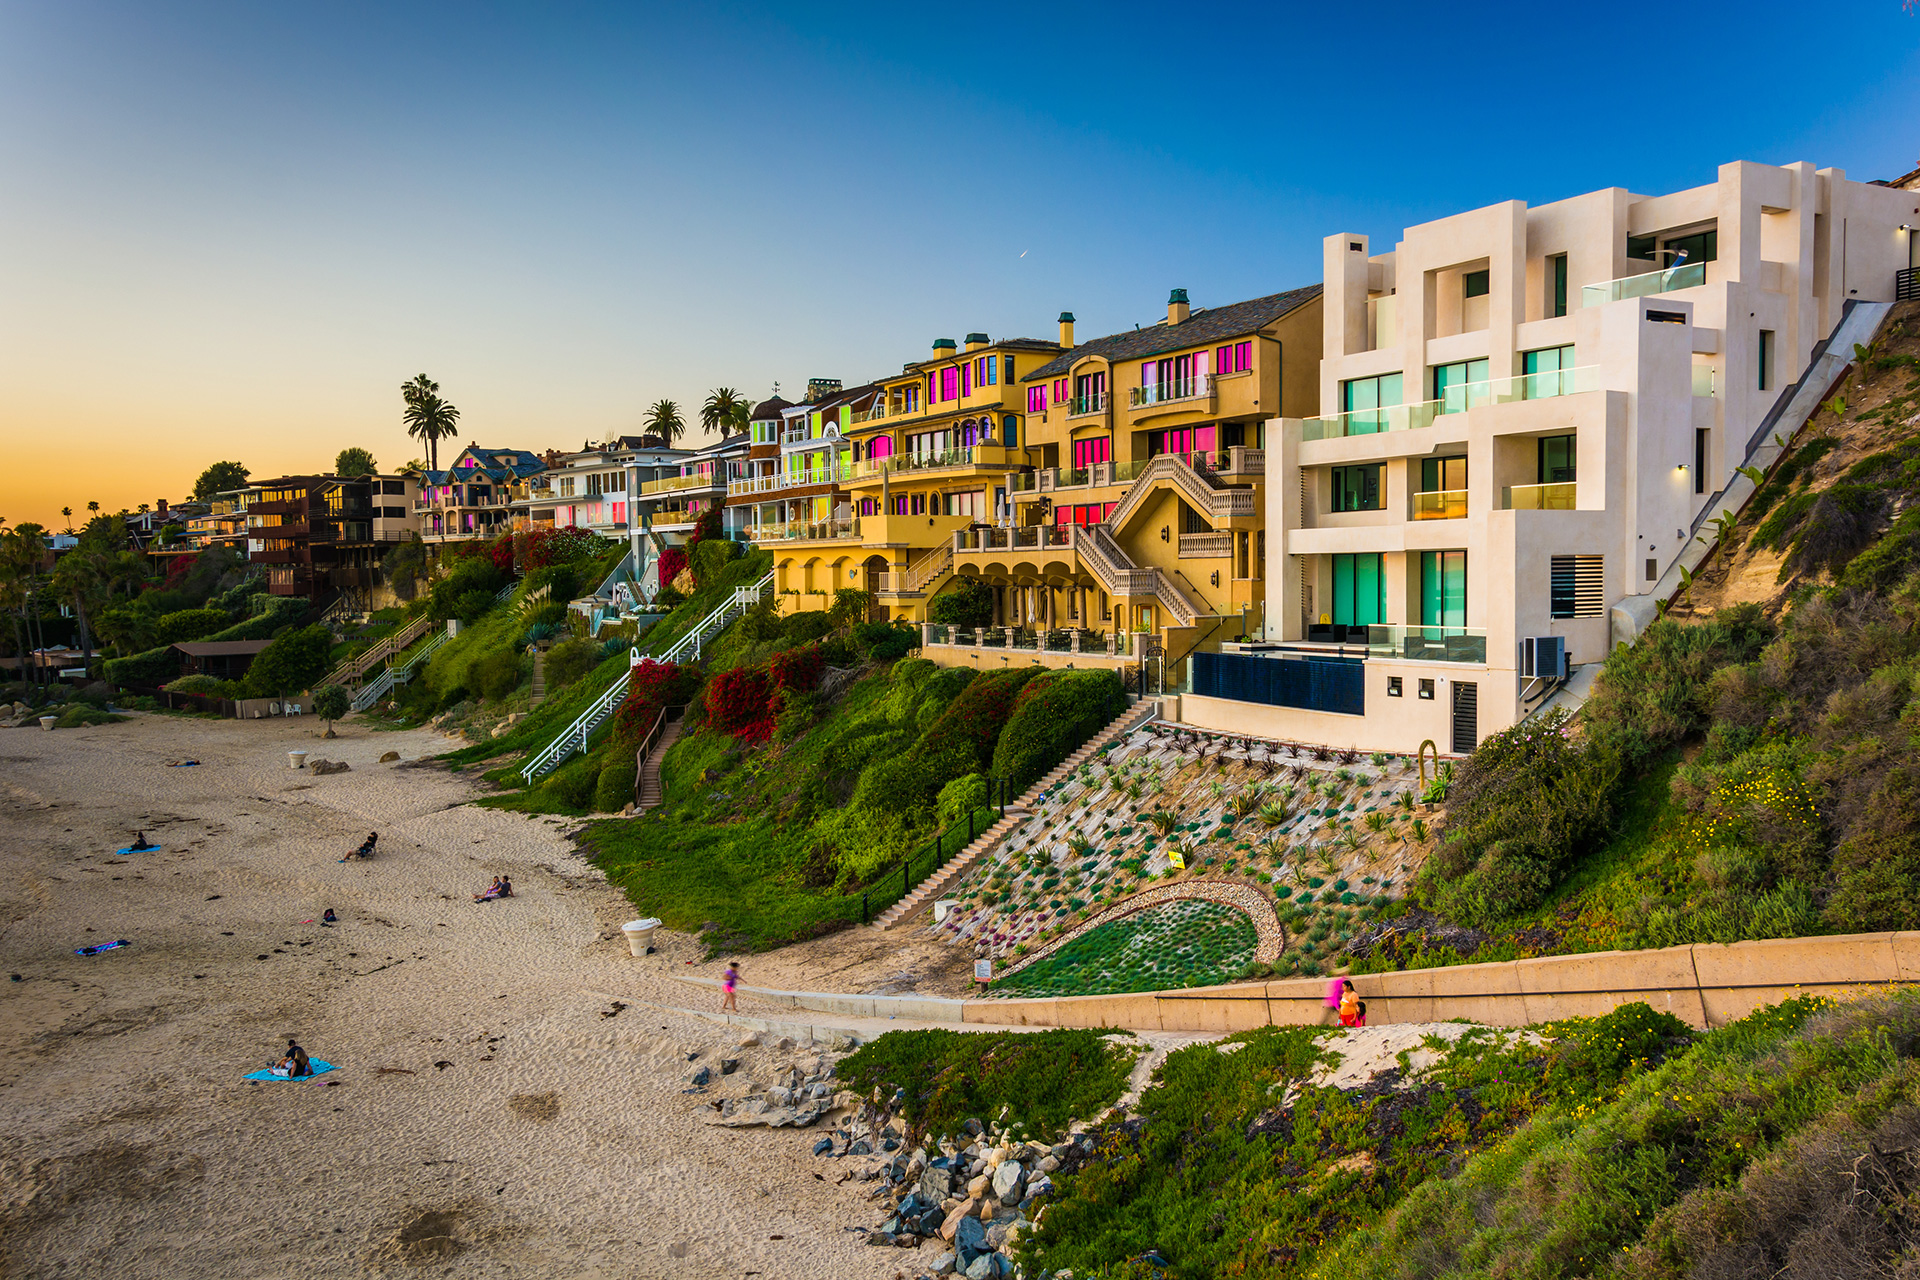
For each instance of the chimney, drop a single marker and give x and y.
(943, 348)
(162, 503)
(1177, 308)
(975, 341)
(1066, 329)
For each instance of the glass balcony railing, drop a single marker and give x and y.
(671, 484)
(1129, 471)
(1539, 497)
(1467, 395)
(935, 460)
(1166, 392)
(1440, 504)
(1427, 644)
(1666, 280)
(1096, 403)
(1706, 380)
(798, 530)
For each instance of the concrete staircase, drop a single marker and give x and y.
(651, 792)
(923, 894)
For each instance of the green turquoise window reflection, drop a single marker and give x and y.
(1443, 588)
(1463, 385)
(1359, 590)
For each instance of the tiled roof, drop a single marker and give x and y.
(1008, 344)
(769, 408)
(1209, 325)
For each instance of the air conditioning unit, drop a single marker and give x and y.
(1544, 657)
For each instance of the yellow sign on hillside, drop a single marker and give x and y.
(1174, 858)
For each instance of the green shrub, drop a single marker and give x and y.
(189, 624)
(1054, 714)
(860, 843)
(614, 790)
(967, 602)
(154, 667)
(960, 797)
(467, 591)
(885, 641)
(550, 614)
(709, 557)
(78, 715)
(497, 674)
(1652, 694)
(289, 664)
(331, 703)
(571, 659)
(205, 686)
(574, 784)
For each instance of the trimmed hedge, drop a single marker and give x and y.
(1053, 715)
(618, 777)
(155, 666)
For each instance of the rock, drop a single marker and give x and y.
(933, 1185)
(1009, 1180)
(320, 768)
(879, 1237)
(977, 1187)
(701, 1076)
(824, 1147)
(888, 1144)
(987, 1266)
(860, 1148)
(1037, 1187)
(969, 1239)
(389, 757)
(779, 1096)
(750, 1040)
(942, 1263)
(1047, 1164)
(729, 1065)
(783, 1044)
(960, 1213)
(974, 1127)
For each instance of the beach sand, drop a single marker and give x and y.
(534, 1135)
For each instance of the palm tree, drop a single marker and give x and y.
(93, 507)
(664, 420)
(428, 417)
(67, 512)
(725, 408)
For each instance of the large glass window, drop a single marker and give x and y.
(1461, 386)
(1557, 285)
(1440, 474)
(1549, 372)
(1361, 396)
(1359, 590)
(1557, 455)
(1357, 488)
(1443, 588)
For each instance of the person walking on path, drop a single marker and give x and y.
(728, 981)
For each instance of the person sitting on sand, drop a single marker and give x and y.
(140, 844)
(366, 848)
(328, 917)
(506, 887)
(295, 1064)
(492, 892)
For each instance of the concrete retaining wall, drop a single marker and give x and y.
(1704, 985)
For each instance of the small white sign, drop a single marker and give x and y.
(983, 971)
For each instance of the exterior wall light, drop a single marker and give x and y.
(1163, 533)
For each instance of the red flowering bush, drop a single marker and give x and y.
(651, 686)
(797, 669)
(541, 546)
(672, 561)
(740, 702)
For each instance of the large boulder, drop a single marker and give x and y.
(1009, 1180)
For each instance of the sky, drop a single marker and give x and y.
(232, 231)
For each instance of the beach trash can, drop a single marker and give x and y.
(640, 935)
(46, 722)
(296, 759)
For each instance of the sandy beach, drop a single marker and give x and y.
(520, 1131)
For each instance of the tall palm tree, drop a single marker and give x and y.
(67, 513)
(663, 419)
(428, 417)
(93, 507)
(724, 408)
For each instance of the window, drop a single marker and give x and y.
(1010, 428)
(1575, 587)
(1426, 688)
(949, 383)
(1359, 590)
(1557, 459)
(966, 380)
(1653, 570)
(1060, 390)
(918, 504)
(1091, 450)
(1235, 358)
(1089, 392)
(1478, 283)
(1394, 687)
(912, 400)
(1443, 588)
(1700, 459)
(1440, 474)
(566, 486)
(1006, 369)
(1462, 385)
(1642, 247)
(1192, 521)
(1360, 397)
(1549, 372)
(1037, 399)
(972, 503)
(1766, 360)
(1358, 488)
(1557, 285)
(1700, 246)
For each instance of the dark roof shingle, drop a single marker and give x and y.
(1202, 327)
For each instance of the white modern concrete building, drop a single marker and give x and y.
(1526, 415)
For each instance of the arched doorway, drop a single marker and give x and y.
(876, 566)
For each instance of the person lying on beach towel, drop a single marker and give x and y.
(105, 946)
(181, 764)
(494, 890)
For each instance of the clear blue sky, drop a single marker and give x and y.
(233, 230)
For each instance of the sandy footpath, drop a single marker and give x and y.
(535, 1136)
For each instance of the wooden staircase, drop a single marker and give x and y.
(923, 894)
(651, 792)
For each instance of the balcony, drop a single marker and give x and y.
(1666, 280)
(1427, 644)
(1032, 536)
(747, 486)
(1440, 504)
(1539, 497)
(285, 529)
(944, 460)
(805, 530)
(674, 484)
(1080, 406)
(1470, 395)
(1206, 546)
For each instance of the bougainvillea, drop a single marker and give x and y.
(537, 548)
(651, 686)
(740, 702)
(797, 669)
(672, 561)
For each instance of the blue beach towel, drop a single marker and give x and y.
(267, 1077)
(104, 946)
(130, 849)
